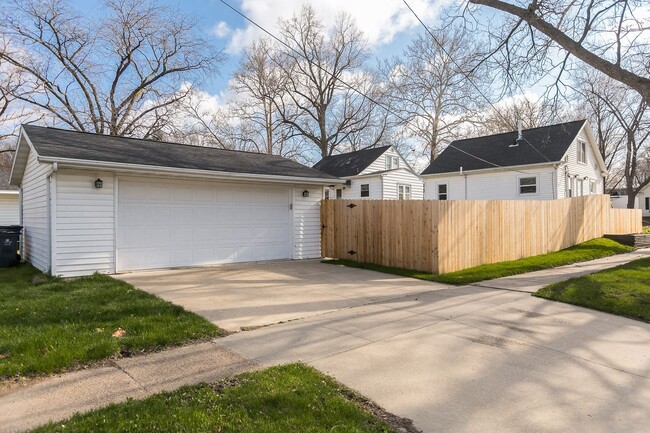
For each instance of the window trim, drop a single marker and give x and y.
(339, 193)
(593, 187)
(581, 182)
(404, 186)
(580, 150)
(446, 193)
(361, 191)
(389, 162)
(528, 176)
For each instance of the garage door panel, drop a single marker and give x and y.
(165, 224)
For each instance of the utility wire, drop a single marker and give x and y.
(354, 89)
(467, 77)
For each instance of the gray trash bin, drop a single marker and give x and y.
(9, 243)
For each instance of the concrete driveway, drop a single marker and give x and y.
(258, 294)
(461, 359)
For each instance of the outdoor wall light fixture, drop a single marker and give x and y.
(305, 193)
(99, 183)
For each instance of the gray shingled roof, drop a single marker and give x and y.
(551, 142)
(61, 143)
(349, 164)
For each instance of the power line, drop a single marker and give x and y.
(467, 77)
(354, 89)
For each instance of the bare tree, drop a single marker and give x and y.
(323, 71)
(119, 76)
(519, 110)
(260, 85)
(604, 34)
(431, 88)
(626, 116)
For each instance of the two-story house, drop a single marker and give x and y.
(550, 162)
(375, 173)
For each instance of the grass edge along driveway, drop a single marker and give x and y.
(590, 250)
(623, 290)
(280, 399)
(49, 324)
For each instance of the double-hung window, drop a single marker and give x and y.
(582, 152)
(404, 192)
(579, 187)
(442, 191)
(365, 190)
(527, 185)
(392, 162)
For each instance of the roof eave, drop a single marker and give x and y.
(81, 163)
(481, 170)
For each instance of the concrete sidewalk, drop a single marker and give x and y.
(61, 396)
(463, 359)
(533, 281)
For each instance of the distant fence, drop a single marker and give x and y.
(446, 236)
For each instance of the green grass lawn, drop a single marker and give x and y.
(593, 249)
(289, 398)
(624, 290)
(50, 324)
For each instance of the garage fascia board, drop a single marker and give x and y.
(217, 175)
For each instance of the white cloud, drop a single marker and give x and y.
(221, 30)
(380, 21)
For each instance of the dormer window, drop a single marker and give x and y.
(582, 152)
(392, 162)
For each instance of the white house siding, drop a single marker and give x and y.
(85, 223)
(641, 198)
(353, 191)
(306, 222)
(493, 185)
(36, 239)
(380, 163)
(9, 209)
(590, 169)
(402, 177)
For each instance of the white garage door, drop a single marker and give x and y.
(165, 224)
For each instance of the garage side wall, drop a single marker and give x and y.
(306, 225)
(9, 209)
(85, 224)
(36, 237)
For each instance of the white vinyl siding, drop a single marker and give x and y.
(403, 176)
(35, 202)
(9, 209)
(306, 223)
(493, 185)
(353, 191)
(85, 224)
(589, 171)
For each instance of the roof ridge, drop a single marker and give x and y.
(122, 137)
(367, 149)
(516, 131)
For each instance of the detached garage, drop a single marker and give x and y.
(96, 203)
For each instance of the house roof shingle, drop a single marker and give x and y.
(61, 143)
(349, 164)
(550, 141)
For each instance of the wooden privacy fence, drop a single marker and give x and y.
(446, 236)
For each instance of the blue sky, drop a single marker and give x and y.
(388, 24)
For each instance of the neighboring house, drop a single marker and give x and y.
(643, 200)
(376, 173)
(95, 203)
(619, 199)
(546, 163)
(9, 201)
